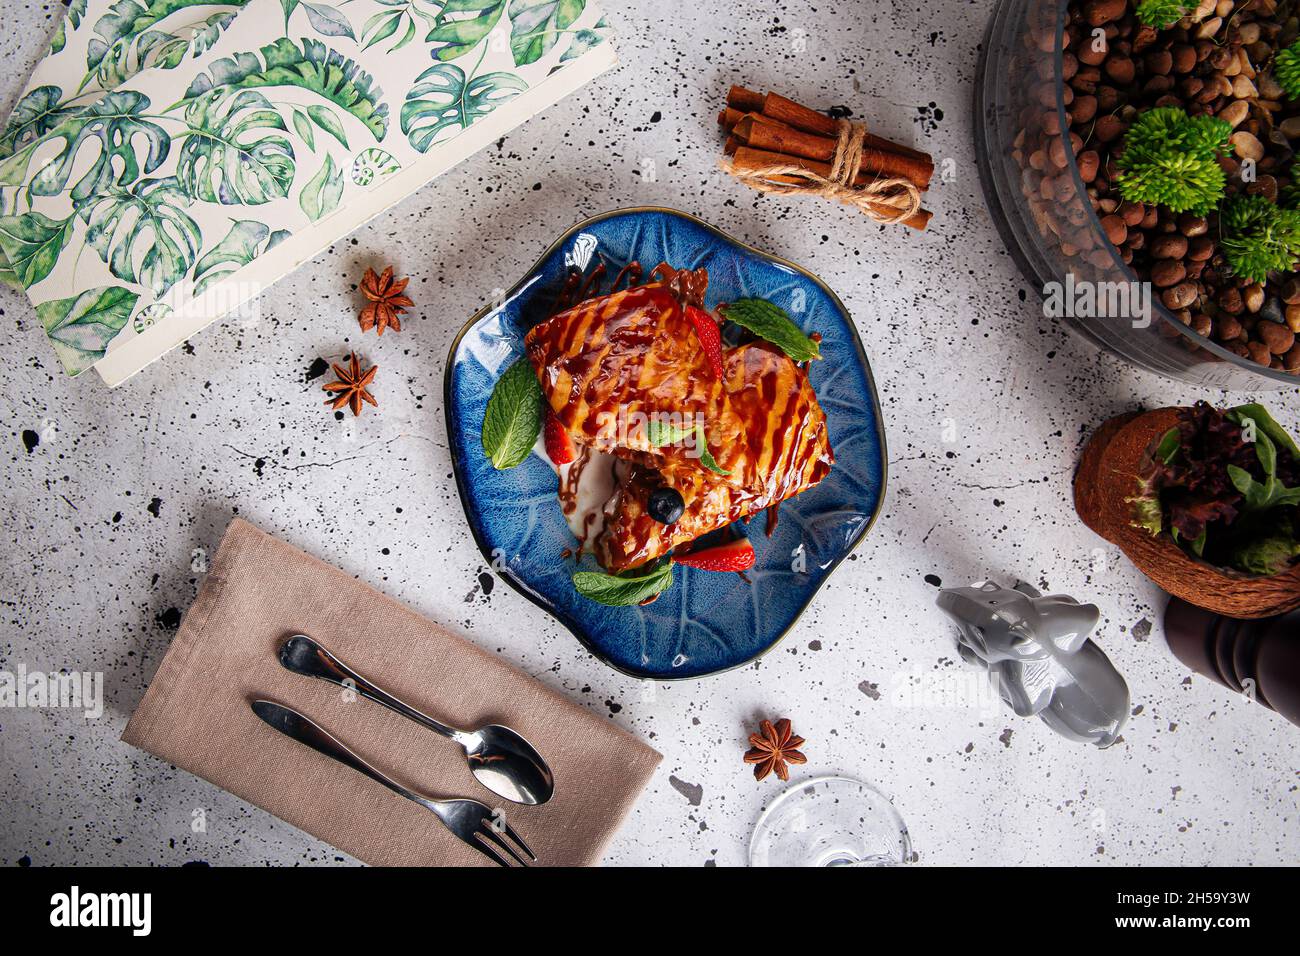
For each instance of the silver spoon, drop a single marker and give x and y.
(499, 758)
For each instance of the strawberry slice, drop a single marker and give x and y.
(706, 329)
(559, 446)
(735, 555)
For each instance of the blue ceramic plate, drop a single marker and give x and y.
(706, 622)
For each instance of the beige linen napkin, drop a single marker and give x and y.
(259, 592)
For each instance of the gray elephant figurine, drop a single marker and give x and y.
(1039, 657)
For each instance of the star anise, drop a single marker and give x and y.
(773, 747)
(386, 301)
(351, 386)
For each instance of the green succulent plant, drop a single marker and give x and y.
(1286, 70)
(1171, 159)
(1289, 195)
(1258, 237)
(1162, 13)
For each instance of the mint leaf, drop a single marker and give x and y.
(616, 590)
(667, 433)
(659, 433)
(707, 459)
(514, 416)
(771, 323)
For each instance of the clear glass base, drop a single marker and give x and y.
(830, 821)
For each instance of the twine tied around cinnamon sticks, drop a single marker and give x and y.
(872, 198)
(778, 146)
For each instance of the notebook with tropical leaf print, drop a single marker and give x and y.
(122, 38)
(170, 159)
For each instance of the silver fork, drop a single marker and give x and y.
(473, 823)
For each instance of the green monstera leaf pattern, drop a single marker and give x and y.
(245, 242)
(207, 32)
(129, 37)
(535, 27)
(324, 19)
(443, 98)
(76, 10)
(306, 120)
(144, 233)
(114, 123)
(309, 66)
(38, 112)
(583, 40)
(93, 155)
(389, 20)
(322, 194)
(233, 154)
(31, 243)
(80, 327)
(462, 25)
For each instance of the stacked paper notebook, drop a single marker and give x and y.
(172, 158)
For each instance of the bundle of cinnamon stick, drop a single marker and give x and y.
(769, 132)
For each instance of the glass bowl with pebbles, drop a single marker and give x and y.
(1139, 160)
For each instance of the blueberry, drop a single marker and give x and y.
(665, 505)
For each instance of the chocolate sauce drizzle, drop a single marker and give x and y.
(773, 516)
(687, 285)
(579, 288)
(631, 271)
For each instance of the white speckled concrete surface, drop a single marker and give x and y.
(105, 514)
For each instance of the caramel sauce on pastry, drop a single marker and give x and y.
(612, 364)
